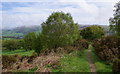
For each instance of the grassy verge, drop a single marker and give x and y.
(21, 52)
(100, 65)
(74, 62)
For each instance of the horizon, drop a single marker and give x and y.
(16, 14)
(30, 26)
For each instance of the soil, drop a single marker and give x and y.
(91, 63)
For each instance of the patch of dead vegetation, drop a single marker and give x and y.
(40, 62)
(49, 58)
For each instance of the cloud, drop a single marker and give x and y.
(34, 13)
(59, 0)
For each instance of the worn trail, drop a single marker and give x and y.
(90, 60)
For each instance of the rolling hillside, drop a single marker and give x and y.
(23, 30)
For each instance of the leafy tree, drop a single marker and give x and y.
(115, 21)
(33, 41)
(59, 30)
(21, 43)
(92, 32)
(37, 44)
(29, 41)
(11, 44)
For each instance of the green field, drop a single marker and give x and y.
(20, 52)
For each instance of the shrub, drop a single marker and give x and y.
(8, 60)
(107, 48)
(33, 41)
(59, 30)
(11, 44)
(68, 49)
(116, 66)
(81, 44)
(37, 44)
(29, 41)
(21, 43)
(92, 32)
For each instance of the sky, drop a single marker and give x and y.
(16, 13)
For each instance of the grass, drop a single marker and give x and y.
(100, 65)
(21, 52)
(29, 71)
(74, 62)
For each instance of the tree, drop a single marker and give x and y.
(11, 44)
(92, 32)
(37, 44)
(33, 41)
(21, 43)
(29, 41)
(115, 21)
(59, 30)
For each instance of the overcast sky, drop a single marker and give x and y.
(34, 12)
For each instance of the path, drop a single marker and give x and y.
(89, 58)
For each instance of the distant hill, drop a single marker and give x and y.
(20, 31)
(23, 30)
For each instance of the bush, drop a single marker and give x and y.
(107, 48)
(8, 60)
(81, 44)
(116, 66)
(11, 44)
(21, 43)
(68, 49)
(33, 41)
(92, 32)
(37, 44)
(29, 41)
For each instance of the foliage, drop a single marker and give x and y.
(33, 41)
(100, 65)
(8, 60)
(115, 21)
(107, 48)
(81, 44)
(37, 44)
(59, 30)
(21, 43)
(29, 41)
(116, 66)
(11, 44)
(92, 32)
